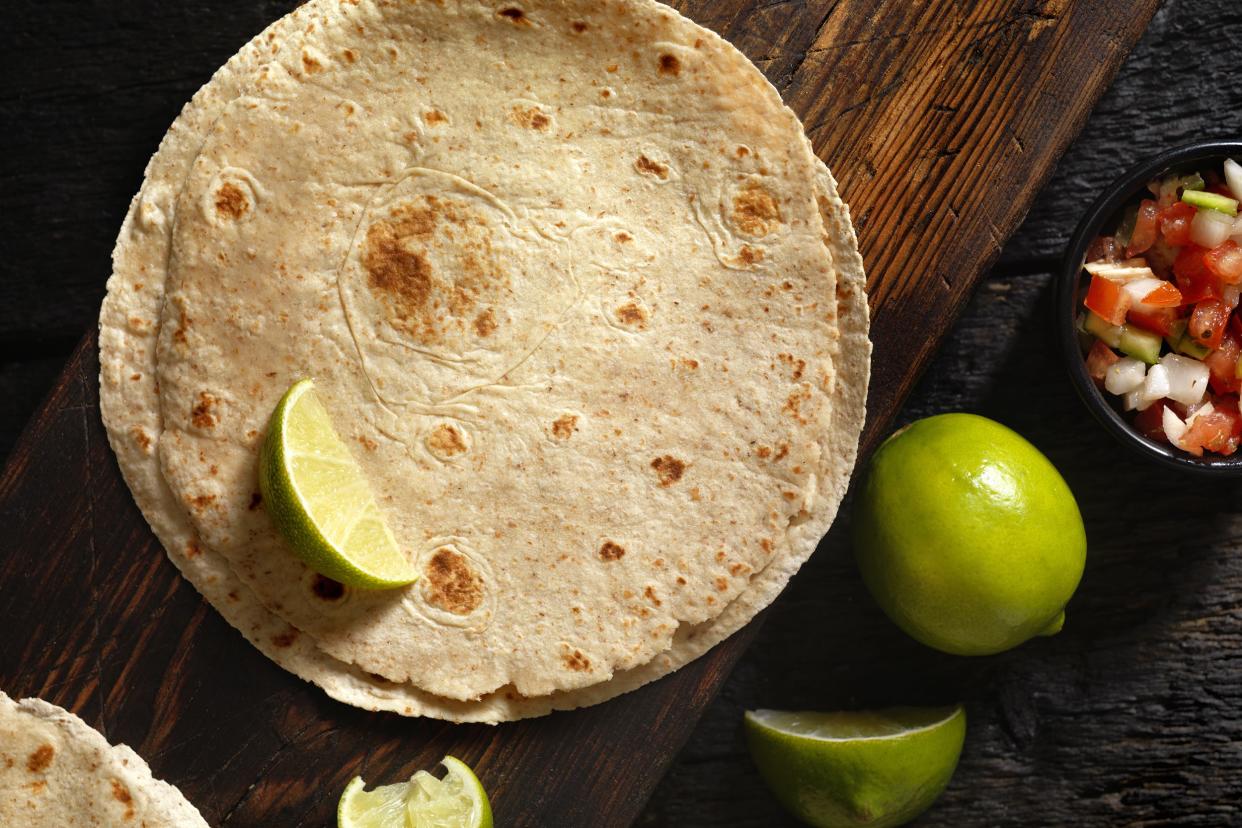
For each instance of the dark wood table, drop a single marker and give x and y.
(1130, 715)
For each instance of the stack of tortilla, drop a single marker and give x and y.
(573, 287)
(56, 771)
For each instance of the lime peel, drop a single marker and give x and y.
(425, 801)
(876, 769)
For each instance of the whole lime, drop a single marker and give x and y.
(967, 536)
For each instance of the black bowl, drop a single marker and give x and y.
(1104, 214)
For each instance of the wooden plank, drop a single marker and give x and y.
(910, 103)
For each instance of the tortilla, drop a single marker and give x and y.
(127, 332)
(56, 771)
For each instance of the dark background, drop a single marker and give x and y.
(1132, 715)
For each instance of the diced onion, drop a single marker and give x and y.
(1125, 375)
(1117, 273)
(1230, 295)
(1188, 378)
(1202, 411)
(1233, 176)
(1174, 428)
(1139, 288)
(1210, 228)
(1156, 384)
(1236, 234)
(1134, 401)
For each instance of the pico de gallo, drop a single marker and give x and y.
(1161, 313)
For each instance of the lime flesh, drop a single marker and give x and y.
(456, 801)
(877, 768)
(967, 536)
(320, 500)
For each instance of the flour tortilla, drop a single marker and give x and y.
(56, 771)
(128, 391)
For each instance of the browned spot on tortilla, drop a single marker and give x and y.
(256, 500)
(766, 545)
(327, 589)
(425, 302)
(350, 55)
(738, 569)
(485, 323)
(36, 786)
(648, 167)
(722, 584)
(611, 551)
(564, 426)
(796, 366)
(793, 404)
(514, 15)
(42, 757)
(694, 494)
(632, 315)
(121, 794)
(451, 583)
(434, 116)
(310, 64)
(790, 496)
(285, 639)
(231, 201)
(651, 596)
(623, 237)
(669, 65)
(201, 502)
(579, 26)
(576, 661)
(445, 441)
(781, 451)
(530, 117)
(367, 443)
(764, 452)
(749, 255)
(202, 415)
(140, 437)
(193, 550)
(755, 212)
(669, 469)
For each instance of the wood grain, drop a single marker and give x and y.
(936, 117)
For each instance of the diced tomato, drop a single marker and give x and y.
(1207, 323)
(1150, 422)
(1225, 262)
(1145, 227)
(1220, 431)
(1098, 359)
(1103, 249)
(1223, 363)
(1107, 299)
(1194, 280)
(1175, 223)
(1156, 320)
(1165, 296)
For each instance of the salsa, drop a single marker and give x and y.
(1160, 316)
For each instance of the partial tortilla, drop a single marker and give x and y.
(128, 330)
(56, 771)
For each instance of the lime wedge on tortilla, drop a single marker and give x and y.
(456, 801)
(863, 768)
(320, 500)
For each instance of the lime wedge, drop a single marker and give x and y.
(320, 501)
(456, 801)
(877, 768)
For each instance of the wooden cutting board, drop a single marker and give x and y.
(941, 119)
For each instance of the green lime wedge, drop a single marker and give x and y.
(876, 768)
(320, 501)
(456, 801)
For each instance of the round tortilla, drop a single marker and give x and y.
(128, 328)
(56, 771)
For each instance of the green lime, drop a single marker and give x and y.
(456, 801)
(967, 536)
(874, 768)
(320, 501)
